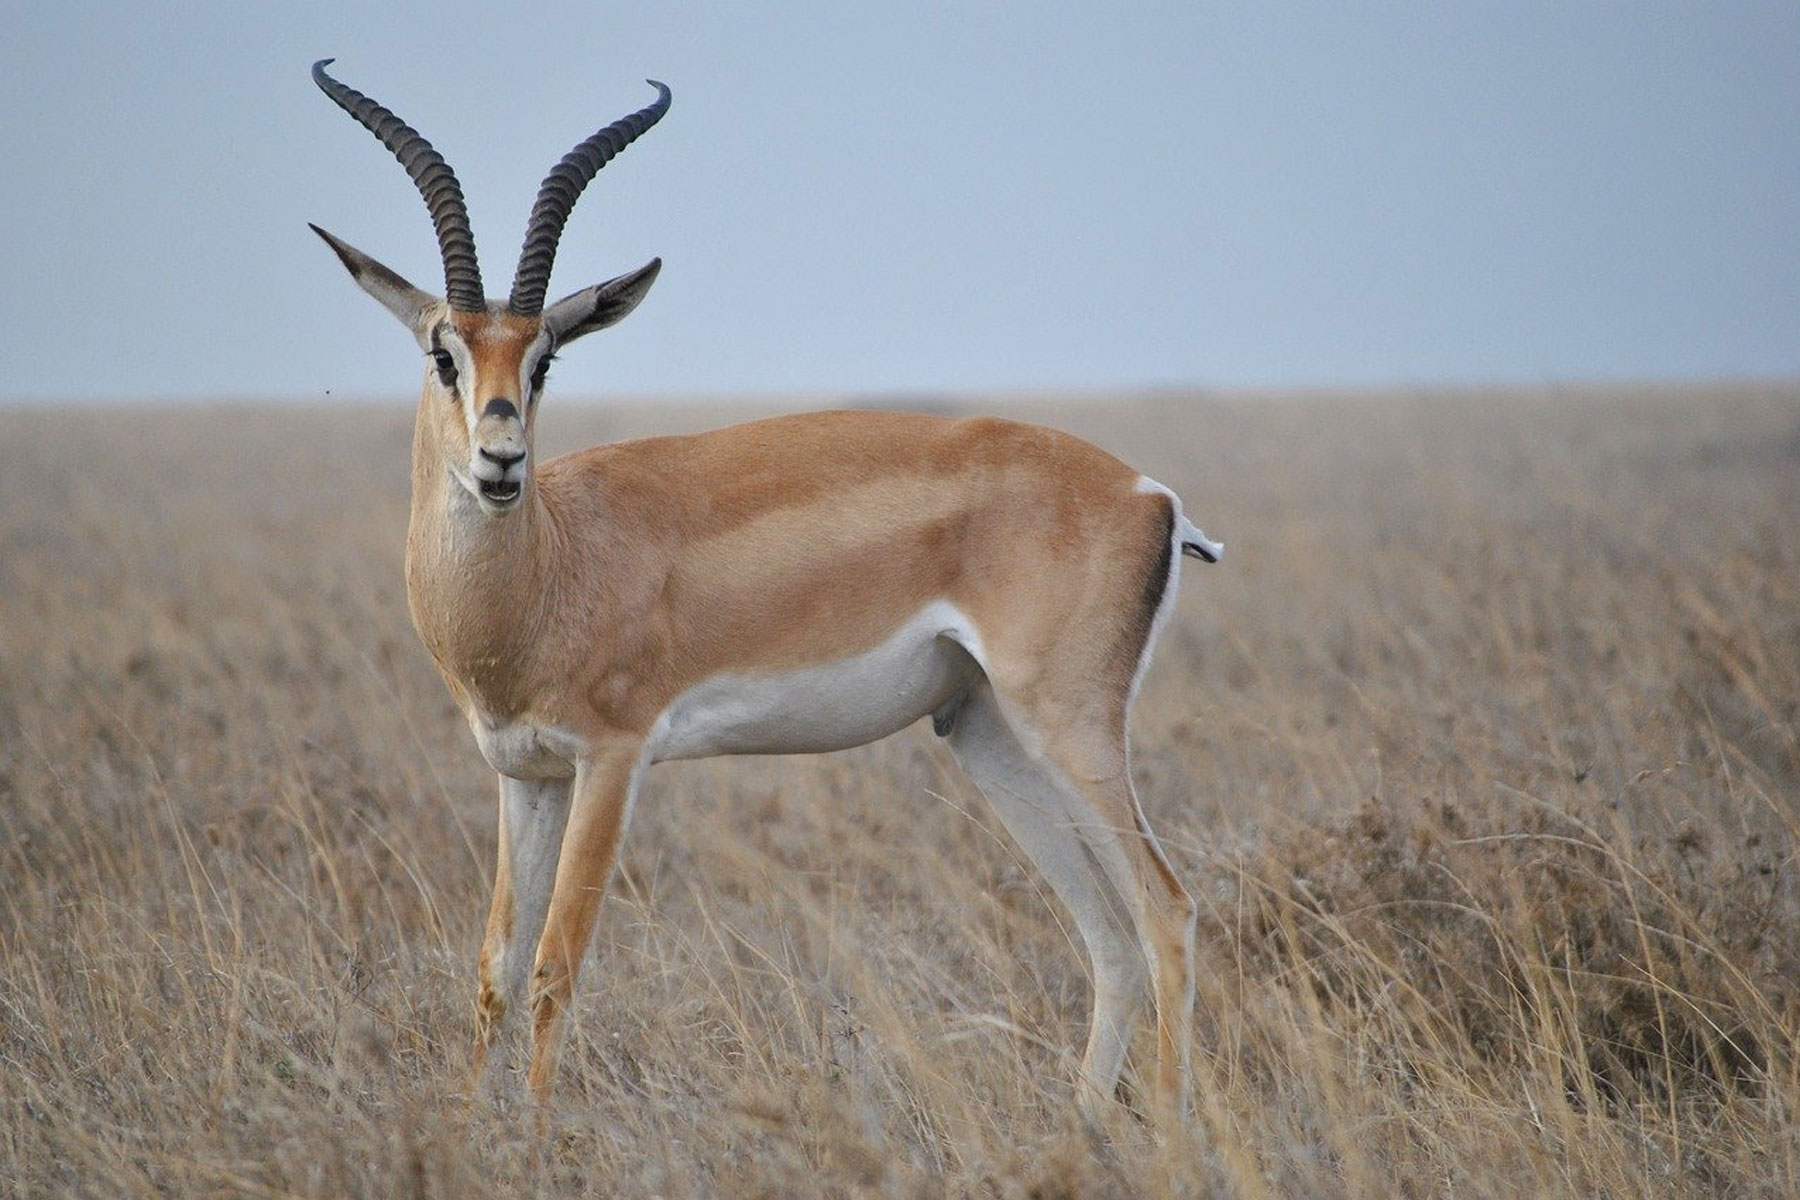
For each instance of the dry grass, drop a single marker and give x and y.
(1480, 748)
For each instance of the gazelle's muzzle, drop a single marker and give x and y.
(499, 455)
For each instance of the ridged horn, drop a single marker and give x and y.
(435, 181)
(561, 188)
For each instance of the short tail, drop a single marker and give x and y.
(1197, 544)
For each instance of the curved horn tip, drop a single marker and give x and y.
(318, 68)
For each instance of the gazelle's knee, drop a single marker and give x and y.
(552, 988)
(551, 981)
(490, 994)
(1183, 914)
(1172, 910)
(1170, 941)
(490, 1010)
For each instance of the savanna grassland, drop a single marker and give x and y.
(1481, 750)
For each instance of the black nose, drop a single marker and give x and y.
(504, 458)
(500, 408)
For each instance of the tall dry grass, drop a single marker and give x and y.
(1480, 750)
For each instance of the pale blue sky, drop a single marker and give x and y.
(855, 200)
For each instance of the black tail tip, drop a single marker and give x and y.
(1196, 550)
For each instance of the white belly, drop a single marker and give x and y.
(828, 706)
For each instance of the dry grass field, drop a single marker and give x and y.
(1481, 749)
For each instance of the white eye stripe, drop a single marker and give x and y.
(531, 377)
(445, 343)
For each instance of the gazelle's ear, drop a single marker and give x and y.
(601, 305)
(399, 297)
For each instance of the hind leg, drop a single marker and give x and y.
(1091, 755)
(1086, 848)
(1166, 918)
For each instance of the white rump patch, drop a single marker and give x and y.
(1186, 533)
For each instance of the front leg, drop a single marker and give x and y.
(533, 814)
(605, 785)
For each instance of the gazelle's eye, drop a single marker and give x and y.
(446, 367)
(541, 371)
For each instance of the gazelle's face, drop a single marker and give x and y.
(484, 373)
(485, 363)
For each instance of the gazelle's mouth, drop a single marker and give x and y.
(499, 491)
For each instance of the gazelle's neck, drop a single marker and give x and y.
(474, 581)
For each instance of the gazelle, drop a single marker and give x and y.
(794, 585)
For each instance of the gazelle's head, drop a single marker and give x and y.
(485, 361)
